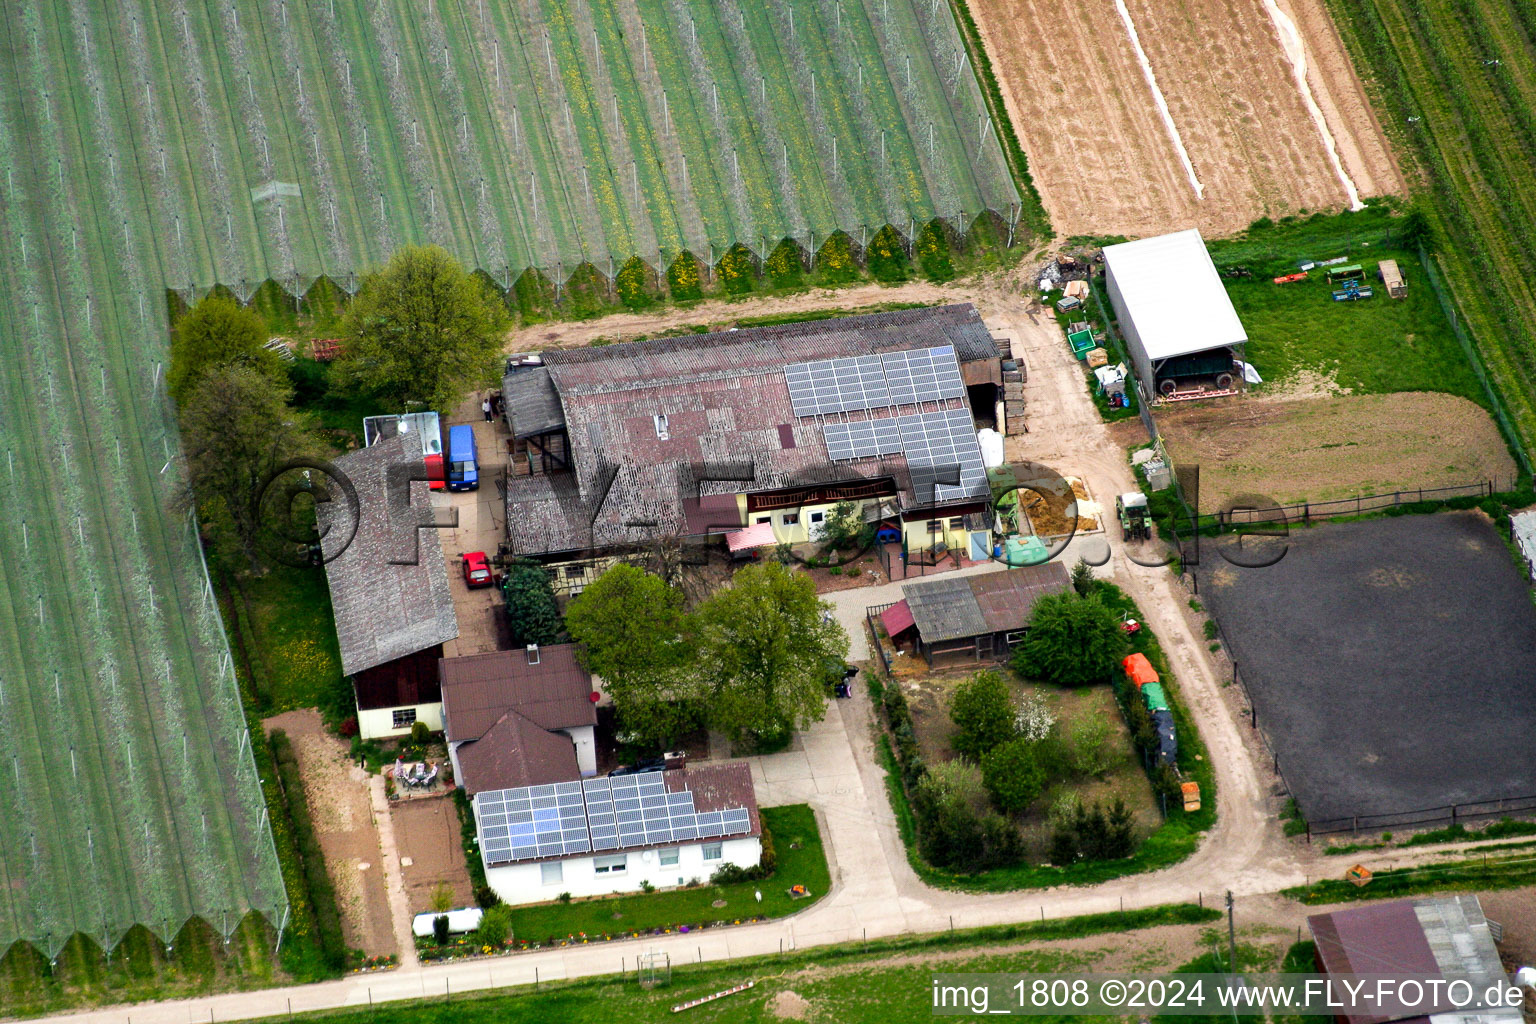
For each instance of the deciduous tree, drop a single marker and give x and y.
(764, 644)
(533, 615)
(635, 635)
(423, 330)
(236, 430)
(983, 712)
(1072, 641)
(216, 332)
(1013, 775)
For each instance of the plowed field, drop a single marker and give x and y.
(1098, 149)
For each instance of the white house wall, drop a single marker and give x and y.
(524, 883)
(379, 723)
(586, 748)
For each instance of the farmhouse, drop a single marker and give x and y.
(605, 835)
(1183, 335)
(518, 718)
(389, 591)
(974, 617)
(689, 437)
(1438, 937)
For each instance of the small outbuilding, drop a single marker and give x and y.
(1392, 279)
(970, 617)
(1181, 329)
(1523, 526)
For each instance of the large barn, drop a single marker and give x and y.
(1183, 335)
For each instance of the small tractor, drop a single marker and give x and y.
(1135, 523)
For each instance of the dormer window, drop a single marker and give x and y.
(661, 426)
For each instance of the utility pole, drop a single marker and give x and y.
(1231, 936)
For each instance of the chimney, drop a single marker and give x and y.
(533, 654)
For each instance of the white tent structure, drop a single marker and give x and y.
(1177, 320)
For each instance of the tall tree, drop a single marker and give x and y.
(764, 645)
(983, 712)
(424, 331)
(236, 429)
(533, 615)
(216, 332)
(634, 634)
(1072, 641)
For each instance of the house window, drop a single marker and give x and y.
(661, 426)
(613, 864)
(552, 872)
(575, 571)
(818, 517)
(791, 518)
(957, 523)
(764, 520)
(713, 851)
(935, 526)
(667, 858)
(405, 718)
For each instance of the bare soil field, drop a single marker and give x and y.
(1321, 448)
(1098, 149)
(337, 792)
(427, 835)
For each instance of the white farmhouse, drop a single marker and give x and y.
(612, 834)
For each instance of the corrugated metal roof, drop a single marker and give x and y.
(383, 611)
(1007, 598)
(1172, 292)
(532, 404)
(1523, 525)
(945, 609)
(1442, 936)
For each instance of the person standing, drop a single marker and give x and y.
(485, 407)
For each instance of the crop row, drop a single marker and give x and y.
(1455, 79)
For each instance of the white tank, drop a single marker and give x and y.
(991, 443)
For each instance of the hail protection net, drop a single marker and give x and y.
(129, 792)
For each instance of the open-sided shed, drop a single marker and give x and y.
(1181, 329)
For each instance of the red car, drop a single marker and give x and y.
(476, 573)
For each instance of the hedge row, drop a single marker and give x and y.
(320, 894)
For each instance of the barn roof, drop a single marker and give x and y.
(532, 404)
(989, 602)
(1442, 936)
(656, 428)
(1171, 291)
(383, 610)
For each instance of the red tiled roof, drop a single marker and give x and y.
(515, 752)
(555, 693)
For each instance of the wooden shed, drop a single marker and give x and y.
(969, 618)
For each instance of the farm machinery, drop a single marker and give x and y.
(1352, 291)
(1135, 522)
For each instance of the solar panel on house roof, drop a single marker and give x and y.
(922, 375)
(943, 455)
(596, 815)
(861, 440)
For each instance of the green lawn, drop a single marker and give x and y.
(289, 636)
(851, 983)
(1373, 346)
(801, 861)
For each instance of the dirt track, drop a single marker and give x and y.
(1098, 150)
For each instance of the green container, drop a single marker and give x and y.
(1152, 693)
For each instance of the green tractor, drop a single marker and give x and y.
(1135, 522)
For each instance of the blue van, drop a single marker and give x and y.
(463, 464)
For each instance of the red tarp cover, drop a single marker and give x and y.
(759, 535)
(896, 618)
(1139, 670)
